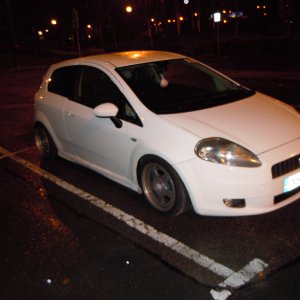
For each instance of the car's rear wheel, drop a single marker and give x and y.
(44, 142)
(162, 186)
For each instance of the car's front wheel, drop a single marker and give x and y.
(44, 142)
(162, 186)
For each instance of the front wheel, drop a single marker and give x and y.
(162, 186)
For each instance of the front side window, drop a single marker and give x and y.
(180, 85)
(94, 87)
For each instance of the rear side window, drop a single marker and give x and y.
(61, 81)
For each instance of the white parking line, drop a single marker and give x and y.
(231, 279)
(15, 153)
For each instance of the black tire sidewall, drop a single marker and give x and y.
(51, 145)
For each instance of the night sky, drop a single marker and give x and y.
(30, 16)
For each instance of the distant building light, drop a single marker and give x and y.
(258, 6)
(40, 32)
(234, 15)
(169, 21)
(196, 14)
(224, 11)
(181, 18)
(186, 1)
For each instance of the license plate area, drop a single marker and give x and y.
(291, 182)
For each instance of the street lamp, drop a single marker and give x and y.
(217, 20)
(128, 24)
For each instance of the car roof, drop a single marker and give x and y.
(127, 58)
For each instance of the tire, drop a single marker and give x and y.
(162, 186)
(44, 142)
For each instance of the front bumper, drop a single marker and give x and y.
(208, 184)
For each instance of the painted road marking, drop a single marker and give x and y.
(232, 279)
(238, 279)
(17, 152)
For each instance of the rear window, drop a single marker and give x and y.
(61, 80)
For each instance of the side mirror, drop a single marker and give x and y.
(108, 110)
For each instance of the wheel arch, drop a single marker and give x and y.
(153, 157)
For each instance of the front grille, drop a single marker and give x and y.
(286, 166)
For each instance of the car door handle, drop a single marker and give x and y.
(69, 114)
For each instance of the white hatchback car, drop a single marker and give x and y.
(173, 129)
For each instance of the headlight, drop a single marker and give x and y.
(222, 151)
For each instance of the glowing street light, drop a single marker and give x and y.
(53, 22)
(217, 17)
(128, 9)
(217, 20)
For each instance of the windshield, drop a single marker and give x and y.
(180, 85)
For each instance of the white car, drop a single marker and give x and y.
(170, 127)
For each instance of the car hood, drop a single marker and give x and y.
(259, 123)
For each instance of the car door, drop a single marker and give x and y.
(97, 141)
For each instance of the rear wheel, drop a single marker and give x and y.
(162, 186)
(44, 142)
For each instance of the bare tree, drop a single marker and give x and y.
(103, 14)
